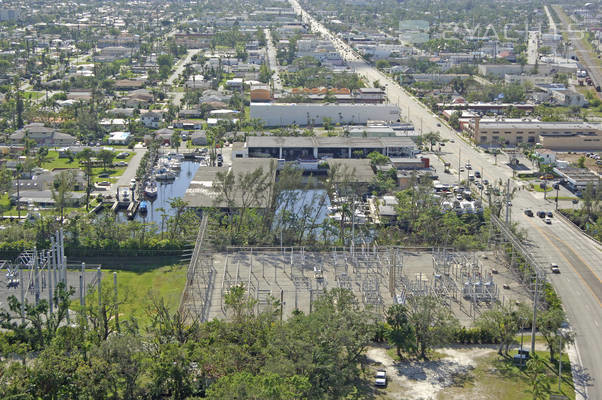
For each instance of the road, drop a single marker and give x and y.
(180, 65)
(579, 283)
(533, 48)
(130, 171)
(586, 58)
(551, 22)
(272, 61)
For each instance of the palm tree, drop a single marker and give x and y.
(62, 185)
(86, 156)
(432, 138)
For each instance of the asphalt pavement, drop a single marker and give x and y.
(272, 61)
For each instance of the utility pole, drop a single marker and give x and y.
(36, 275)
(534, 324)
(116, 302)
(48, 265)
(508, 202)
(22, 295)
(459, 163)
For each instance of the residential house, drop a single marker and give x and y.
(545, 156)
(187, 124)
(151, 119)
(41, 135)
(198, 138)
(120, 138)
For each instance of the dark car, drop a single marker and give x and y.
(528, 213)
(549, 214)
(541, 214)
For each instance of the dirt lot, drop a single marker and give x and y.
(456, 373)
(590, 163)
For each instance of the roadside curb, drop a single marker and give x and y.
(571, 223)
(575, 359)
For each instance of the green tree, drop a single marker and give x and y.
(264, 73)
(85, 157)
(61, 188)
(41, 156)
(38, 325)
(540, 385)
(268, 386)
(432, 138)
(549, 324)
(400, 332)
(106, 156)
(503, 322)
(19, 110)
(432, 321)
(176, 140)
(454, 119)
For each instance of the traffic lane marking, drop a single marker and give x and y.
(567, 260)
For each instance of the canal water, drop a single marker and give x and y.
(166, 192)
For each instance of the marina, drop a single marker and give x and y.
(149, 202)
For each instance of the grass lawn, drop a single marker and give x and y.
(32, 95)
(495, 377)
(55, 162)
(538, 189)
(138, 289)
(570, 198)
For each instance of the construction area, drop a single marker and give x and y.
(378, 276)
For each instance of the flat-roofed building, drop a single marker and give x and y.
(294, 148)
(314, 114)
(204, 193)
(551, 135)
(578, 178)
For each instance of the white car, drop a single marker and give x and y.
(381, 378)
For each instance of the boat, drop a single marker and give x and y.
(143, 208)
(165, 176)
(175, 165)
(151, 190)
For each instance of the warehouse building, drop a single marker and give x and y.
(293, 148)
(551, 135)
(314, 114)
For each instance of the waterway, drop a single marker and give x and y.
(167, 191)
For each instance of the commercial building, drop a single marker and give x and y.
(310, 148)
(577, 179)
(551, 135)
(306, 114)
(204, 193)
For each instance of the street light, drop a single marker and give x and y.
(563, 333)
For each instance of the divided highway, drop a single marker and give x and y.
(579, 257)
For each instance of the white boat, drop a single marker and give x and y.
(175, 165)
(151, 190)
(165, 176)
